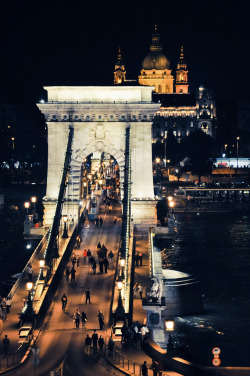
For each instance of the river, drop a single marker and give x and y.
(214, 248)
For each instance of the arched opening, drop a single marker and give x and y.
(100, 184)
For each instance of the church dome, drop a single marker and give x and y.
(155, 59)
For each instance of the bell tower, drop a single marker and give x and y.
(181, 83)
(120, 72)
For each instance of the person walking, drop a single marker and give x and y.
(87, 294)
(106, 265)
(84, 320)
(67, 274)
(88, 255)
(140, 290)
(76, 318)
(64, 301)
(88, 342)
(111, 257)
(73, 275)
(140, 258)
(6, 344)
(101, 266)
(144, 369)
(77, 261)
(73, 260)
(101, 221)
(136, 290)
(94, 266)
(95, 341)
(100, 344)
(154, 367)
(100, 319)
(85, 256)
(115, 220)
(97, 221)
(111, 346)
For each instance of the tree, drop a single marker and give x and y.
(199, 150)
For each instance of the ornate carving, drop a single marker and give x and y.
(99, 136)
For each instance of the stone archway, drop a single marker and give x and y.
(100, 116)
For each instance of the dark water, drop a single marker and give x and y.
(215, 248)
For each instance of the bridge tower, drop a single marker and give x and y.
(99, 117)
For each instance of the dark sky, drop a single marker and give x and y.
(75, 42)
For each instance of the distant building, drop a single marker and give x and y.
(181, 111)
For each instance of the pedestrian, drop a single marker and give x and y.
(100, 343)
(101, 266)
(73, 275)
(67, 274)
(6, 344)
(84, 319)
(101, 221)
(4, 309)
(88, 342)
(76, 318)
(100, 319)
(88, 254)
(77, 261)
(111, 256)
(136, 290)
(138, 338)
(94, 266)
(115, 220)
(87, 294)
(99, 246)
(111, 346)
(106, 265)
(73, 260)
(97, 221)
(84, 256)
(154, 367)
(140, 258)
(137, 259)
(144, 369)
(64, 301)
(95, 341)
(140, 290)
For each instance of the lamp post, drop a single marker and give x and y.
(119, 285)
(42, 264)
(122, 263)
(237, 150)
(27, 205)
(169, 328)
(34, 213)
(65, 229)
(13, 142)
(29, 310)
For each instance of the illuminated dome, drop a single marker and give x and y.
(155, 59)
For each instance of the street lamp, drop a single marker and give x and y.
(170, 198)
(171, 205)
(42, 264)
(157, 160)
(29, 310)
(169, 327)
(65, 229)
(27, 205)
(34, 213)
(13, 142)
(119, 286)
(122, 263)
(237, 145)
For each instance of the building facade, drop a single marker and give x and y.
(181, 111)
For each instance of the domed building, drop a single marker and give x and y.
(156, 68)
(181, 112)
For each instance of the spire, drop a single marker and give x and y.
(155, 45)
(120, 72)
(181, 83)
(182, 55)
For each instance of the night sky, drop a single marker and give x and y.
(58, 42)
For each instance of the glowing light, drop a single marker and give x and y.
(42, 263)
(33, 199)
(29, 286)
(28, 246)
(65, 218)
(169, 325)
(26, 205)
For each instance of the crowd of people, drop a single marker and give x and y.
(133, 335)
